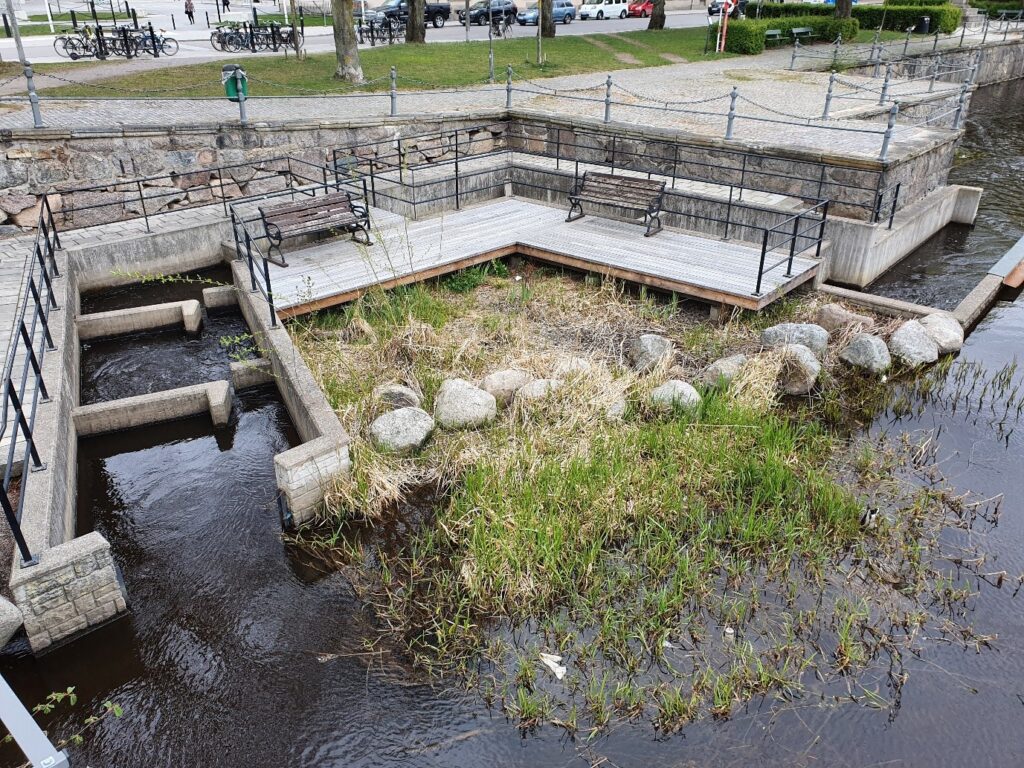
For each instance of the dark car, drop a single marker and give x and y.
(738, 10)
(482, 10)
(433, 13)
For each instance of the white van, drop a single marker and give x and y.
(604, 9)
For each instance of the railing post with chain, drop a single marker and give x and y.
(884, 96)
(835, 51)
(984, 31)
(906, 43)
(608, 99)
(887, 138)
(874, 57)
(961, 102)
(828, 95)
(394, 91)
(240, 89)
(508, 87)
(732, 112)
(936, 63)
(33, 97)
(796, 48)
(935, 43)
(963, 31)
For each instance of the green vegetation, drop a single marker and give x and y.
(995, 8)
(419, 67)
(748, 36)
(898, 16)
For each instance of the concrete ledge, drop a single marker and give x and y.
(305, 471)
(213, 397)
(881, 304)
(965, 209)
(75, 586)
(220, 296)
(251, 373)
(977, 302)
(121, 321)
(1011, 267)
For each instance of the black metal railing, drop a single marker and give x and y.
(23, 386)
(808, 226)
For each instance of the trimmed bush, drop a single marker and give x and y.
(747, 36)
(915, 2)
(896, 17)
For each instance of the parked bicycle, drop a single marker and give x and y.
(124, 41)
(232, 38)
(501, 26)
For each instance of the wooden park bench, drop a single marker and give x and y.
(802, 34)
(627, 192)
(312, 215)
(773, 37)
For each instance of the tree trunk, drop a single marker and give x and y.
(657, 15)
(844, 9)
(346, 43)
(547, 19)
(416, 25)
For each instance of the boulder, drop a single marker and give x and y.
(396, 396)
(723, 371)
(809, 335)
(867, 352)
(945, 331)
(459, 404)
(537, 389)
(401, 431)
(674, 394)
(616, 411)
(10, 621)
(834, 317)
(648, 351)
(912, 345)
(800, 369)
(572, 366)
(503, 385)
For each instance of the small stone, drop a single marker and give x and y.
(401, 431)
(800, 369)
(10, 621)
(721, 372)
(572, 366)
(616, 411)
(504, 384)
(648, 351)
(538, 388)
(809, 335)
(867, 352)
(912, 345)
(459, 404)
(674, 394)
(834, 317)
(397, 396)
(945, 331)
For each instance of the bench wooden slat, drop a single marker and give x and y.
(630, 192)
(312, 215)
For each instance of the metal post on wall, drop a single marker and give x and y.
(33, 97)
(608, 99)
(884, 96)
(394, 91)
(961, 102)
(936, 63)
(240, 88)
(508, 87)
(732, 112)
(828, 96)
(890, 127)
(796, 49)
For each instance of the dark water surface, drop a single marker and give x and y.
(187, 285)
(948, 265)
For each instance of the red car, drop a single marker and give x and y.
(643, 9)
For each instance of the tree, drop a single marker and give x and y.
(844, 9)
(657, 15)
(346, 44)
(416, 25)
(547, 19)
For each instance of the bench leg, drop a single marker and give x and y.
(574, 205)
(276, 245)
(652, 219)
(361, 234)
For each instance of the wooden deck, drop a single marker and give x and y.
(337, 271)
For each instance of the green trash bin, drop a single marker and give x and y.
(231, 81)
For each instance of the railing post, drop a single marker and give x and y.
(19, 539)
(142, 202)
(457, 189)
(270, 292)
(394, 91)
(935, 44)
(887, 138)
(872, 57)
(895, 200)
(835, 51)
(152, 41)
(963, 31)
(984, 31)
(884, 96)
(508, 87)
(961, 102)
(821, 230)
(792, 60)
(33, 97)
(242, 117)
(906, 43)
(760, 267)
(608, 99)
(732, 113)
(936, 63)
(828, 95)
(792, 246)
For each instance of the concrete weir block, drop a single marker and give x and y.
(220, 296)
(305, 472)
(121, 321)
(251, 373)
(213, 397)
(977, 302)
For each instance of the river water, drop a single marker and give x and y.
(240, 651)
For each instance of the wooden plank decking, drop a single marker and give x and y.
(338, 271)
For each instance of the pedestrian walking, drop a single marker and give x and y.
(190, 11)
(226, 4)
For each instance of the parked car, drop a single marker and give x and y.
(479, 12)
(433, 13)
(641, 8)
(561, 11)
(604, 9)
(738, 10)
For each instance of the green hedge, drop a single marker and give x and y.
(944, 16)
(747, 36)
(915, 2)
(994, 8)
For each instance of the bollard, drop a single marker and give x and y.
(732, 112)
(135, 19)
(7, 27)
(152, 40)
(936, 63)
(74, 20)
(394, 91)
(126, 42)
(608, 99)
(887, 138)
(885, 85)
(508, 87)
(173, 25)
(828, 95)
(241, 97)
(33, 97)
(792, 61)
(961, 103)
(207, 19)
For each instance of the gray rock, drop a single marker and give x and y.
(616, 411)
(723, 371)
(10, 621)
(648, 351)
(15, 203)
(572, 366)
(809, 335)
(800, 369)
(674, 394)
(945, 331)
(459, 404)
(912, 345)
(396, 396)
(867, 352)
(834, 317)
(537, 389)
(503, 385)
(401, 431)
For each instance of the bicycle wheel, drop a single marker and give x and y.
(60, 46)
(232, 42)
(76, 48)
(169, 46)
